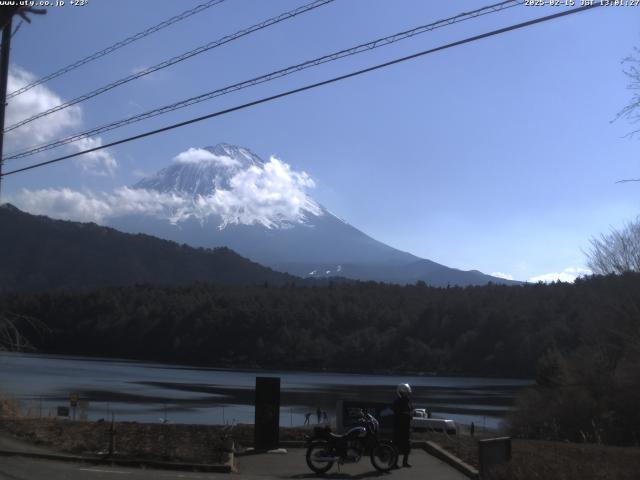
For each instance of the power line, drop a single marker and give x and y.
(15, 30)
(313, 85)
(117, 45)
(380, 42)
(179, 58)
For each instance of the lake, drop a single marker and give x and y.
(154, 392)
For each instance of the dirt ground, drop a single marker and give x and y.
(531, 459)
(167, 442)
(208, 444)
(543, 460)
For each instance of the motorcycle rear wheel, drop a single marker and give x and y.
(384, 456)
(315, 450)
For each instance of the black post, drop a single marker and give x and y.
(493, 452)
(4, 73)
(267, 414)
(112, 436)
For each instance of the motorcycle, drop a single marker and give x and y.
(325, 448)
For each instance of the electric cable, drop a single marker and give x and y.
(312, 86)
(380, 42)
(173, 60)
(116, 46)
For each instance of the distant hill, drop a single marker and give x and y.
(42, 253)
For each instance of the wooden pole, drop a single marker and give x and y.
(4, 74)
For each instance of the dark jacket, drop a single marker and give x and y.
(402, 410)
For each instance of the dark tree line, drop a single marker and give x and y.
(489, 330)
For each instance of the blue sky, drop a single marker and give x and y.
(498, 155)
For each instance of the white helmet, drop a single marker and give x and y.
(403, 390)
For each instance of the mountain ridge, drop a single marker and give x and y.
(45, 253)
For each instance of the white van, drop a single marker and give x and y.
(420, 422)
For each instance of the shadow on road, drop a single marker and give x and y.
(371, 474)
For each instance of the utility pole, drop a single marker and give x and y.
(4, 73)
(6, 16)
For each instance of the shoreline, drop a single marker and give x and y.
(147, 392)
(258, 369)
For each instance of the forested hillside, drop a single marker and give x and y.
(41, 253)
(490, 330)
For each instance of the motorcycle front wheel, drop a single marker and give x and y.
(317, 453)
(384, 456)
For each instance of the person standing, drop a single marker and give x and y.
(319, 414)
(307, 416)
(402, 411)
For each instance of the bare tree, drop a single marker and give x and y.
(632, 70)
(632, 111)
(11, 328)
(617, 251)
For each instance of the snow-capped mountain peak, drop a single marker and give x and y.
(202, 171)
(241, 154)
(232, 185)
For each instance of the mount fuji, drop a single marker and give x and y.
(226, 195)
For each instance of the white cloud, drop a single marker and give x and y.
(90, 207)
(62, 203)
(100, 162)
(139, 173)
(273, 195)
(49, 127)
(567, 275)
(30, 103)
(506, 276)
(200, 155)
(143, 68)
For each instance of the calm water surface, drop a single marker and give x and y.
(153, 392)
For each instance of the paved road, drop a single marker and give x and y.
(254, 467)
(293, 466)
(15, 468)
